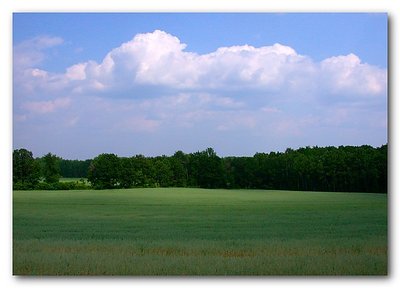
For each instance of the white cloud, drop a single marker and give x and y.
(37, 73)
(347, 75)
(151, 84)
(159, 59)
(31, 52)
(154, 64)
(76, 72)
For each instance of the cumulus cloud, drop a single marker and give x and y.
(76, 72)
(159, 59)
(155, 63)
(346, 74)
(151, 83)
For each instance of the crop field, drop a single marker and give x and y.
(182, 231)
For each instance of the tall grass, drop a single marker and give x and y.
(199, 232)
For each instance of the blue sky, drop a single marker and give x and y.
(317, 34)
(241, 83)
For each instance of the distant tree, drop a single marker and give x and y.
(241, 172)
(144, 171)
(163, 174)
(51, 168)
(179, 166)
(104, 171)
(207, 169)
(26, 170)
(129, 175)
(74, 168)
(345, 168)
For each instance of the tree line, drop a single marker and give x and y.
(44, 173)
(337, 169)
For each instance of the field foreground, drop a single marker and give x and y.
(182, 231)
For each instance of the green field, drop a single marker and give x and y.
(181, 231)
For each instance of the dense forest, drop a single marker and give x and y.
(344, 168)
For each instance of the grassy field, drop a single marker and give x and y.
(184, 231)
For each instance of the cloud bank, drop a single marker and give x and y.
(151, 83)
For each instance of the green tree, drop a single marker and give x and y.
(163, 174)
(179, 166)
(26, 170)
(127, 171)
(242, 172)
(51, 168)
(74, 168)
(144, 176)
(104, 171)
(207, 170)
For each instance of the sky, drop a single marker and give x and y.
(241, 83)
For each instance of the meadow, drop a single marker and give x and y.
(188, 231)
